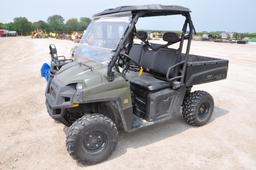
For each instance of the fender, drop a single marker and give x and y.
(121, 115)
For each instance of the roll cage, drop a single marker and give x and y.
(149, 11)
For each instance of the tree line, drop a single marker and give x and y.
(55, 23)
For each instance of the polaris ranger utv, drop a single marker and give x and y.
(113, 83)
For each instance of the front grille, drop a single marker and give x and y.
(60, 93)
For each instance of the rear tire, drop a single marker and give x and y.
(197, 108)
(92, 138)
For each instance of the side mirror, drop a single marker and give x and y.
(53, 50)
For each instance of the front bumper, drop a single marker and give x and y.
(57, 112)
(58, 100)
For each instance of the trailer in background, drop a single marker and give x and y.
(12, 33)
(3, 32)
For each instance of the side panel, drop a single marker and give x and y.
(160, 107)
(108, 91)
(164, 103)
(117, 92)
(206, 71)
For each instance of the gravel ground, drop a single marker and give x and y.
(30, 139)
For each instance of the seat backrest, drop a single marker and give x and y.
(148, 58)
(164, 59)
(159, 61)
(136, 52)
(137, 49)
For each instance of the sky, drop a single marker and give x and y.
(207, 15)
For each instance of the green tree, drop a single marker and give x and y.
(10, 26)
(2, 26)
(41, 25)
(84, 22)
(72, 25)
(56, 23)
(21, 25)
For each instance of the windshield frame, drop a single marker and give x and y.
(112, 19)
(99, 54)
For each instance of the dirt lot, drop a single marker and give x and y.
(30, 139)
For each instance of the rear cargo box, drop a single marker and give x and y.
(202, 69)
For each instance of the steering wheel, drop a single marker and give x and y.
(126, 60)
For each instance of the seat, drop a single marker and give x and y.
(148, 82)
(159, 61)
(155, 62)
(137, 50)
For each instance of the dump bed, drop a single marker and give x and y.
(202, 69)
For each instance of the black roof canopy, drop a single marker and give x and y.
(149, 10)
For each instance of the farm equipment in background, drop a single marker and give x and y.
(155, 35)
(76, 37)
(64, 36)
(39, 34)
(53, 35)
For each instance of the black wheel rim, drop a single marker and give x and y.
(95, 141)
(203, 111)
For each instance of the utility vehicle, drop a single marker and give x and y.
(118, 80)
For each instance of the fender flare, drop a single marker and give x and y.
(118, 112)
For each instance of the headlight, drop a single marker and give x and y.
(79, 86)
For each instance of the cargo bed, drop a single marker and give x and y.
(201, 69)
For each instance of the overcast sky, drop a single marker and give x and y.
(208, 15)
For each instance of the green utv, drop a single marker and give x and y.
(119, 80)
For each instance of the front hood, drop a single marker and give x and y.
(74, 72)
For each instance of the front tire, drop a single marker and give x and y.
(92, 138)
(197, 108)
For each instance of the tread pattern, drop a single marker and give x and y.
(81, 123)
(190, 104)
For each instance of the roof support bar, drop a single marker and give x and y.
(110, 73)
